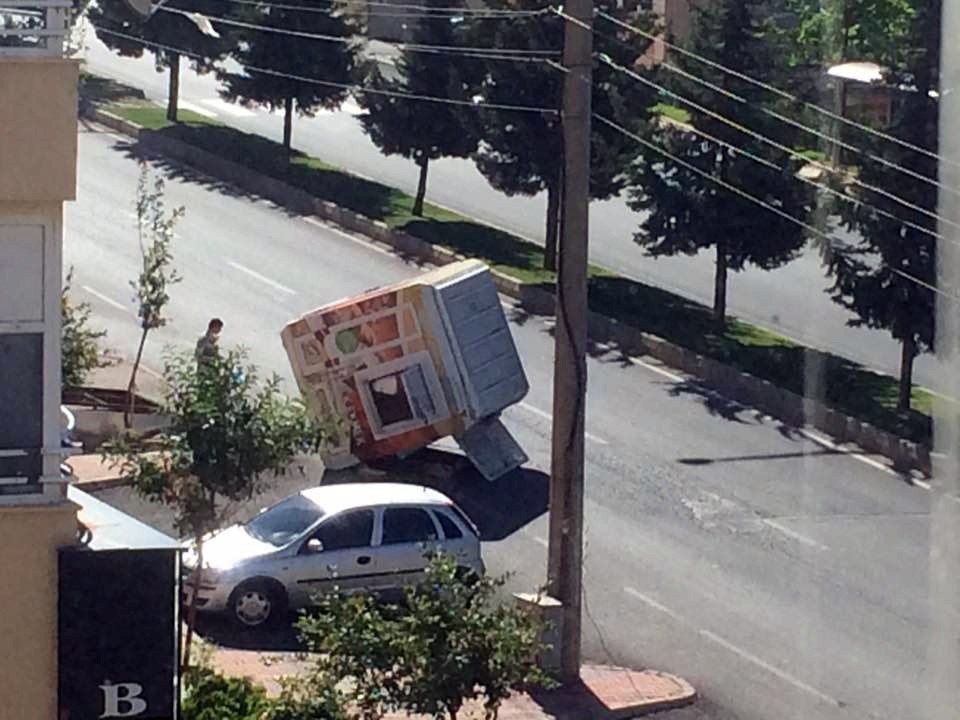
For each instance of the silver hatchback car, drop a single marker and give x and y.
(369, 537)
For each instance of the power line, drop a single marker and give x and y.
(777, 91)
(344, 86)
(492, 53)
(762, 203)
(784, 118)
(793, 153)
(425, 9)
(822, 186)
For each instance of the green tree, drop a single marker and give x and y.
(419, 130)
(521, 153)
(155, 228)
(686, 212)
(164, 28)
(886, 276)
(228, 431)
(287, 57)
(830, 31)
(79, 349)
(451, 641)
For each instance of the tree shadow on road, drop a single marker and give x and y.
(499, 508)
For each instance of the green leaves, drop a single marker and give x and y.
(155, 229)
(450, 641)
(209, 695)
(78, 341)
(228, 430)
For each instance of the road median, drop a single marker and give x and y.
(745, 363)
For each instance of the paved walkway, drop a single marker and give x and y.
(605, 693)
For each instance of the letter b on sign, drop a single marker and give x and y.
(122, 700)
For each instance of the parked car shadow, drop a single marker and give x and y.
(498, 508)
(219, 630)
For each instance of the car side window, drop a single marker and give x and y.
(407, 525)
(450, 529)
(347, 530)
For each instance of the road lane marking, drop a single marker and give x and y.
(810, 435)
(103, 298)
(738, 651)
(262, 278)
(772, 669)
(227, 108)
(657, 369)
(365, 242)
(547, 416)
(646, 599)
(799, 537)
(150, 371)
(199, 110)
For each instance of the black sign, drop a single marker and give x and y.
(119, 634)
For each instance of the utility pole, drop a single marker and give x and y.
(565, 553)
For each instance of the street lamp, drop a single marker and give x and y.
(867, 73)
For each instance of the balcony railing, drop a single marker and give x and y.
(33, 27)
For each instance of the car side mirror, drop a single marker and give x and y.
(314, 546)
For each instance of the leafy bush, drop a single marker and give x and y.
(313, 698)
(208, 695)
(78, 343)
(451, 642)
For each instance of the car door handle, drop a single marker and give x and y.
(363, 560)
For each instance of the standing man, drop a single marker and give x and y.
(208, 346)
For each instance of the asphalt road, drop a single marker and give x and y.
(791, 300)
(784, 580)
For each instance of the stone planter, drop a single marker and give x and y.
(98, 414)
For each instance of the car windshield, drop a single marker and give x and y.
(284, 521)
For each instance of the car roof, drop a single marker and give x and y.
(335, 498)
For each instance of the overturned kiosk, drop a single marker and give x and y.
(407, 364)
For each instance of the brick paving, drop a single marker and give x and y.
(604, 693)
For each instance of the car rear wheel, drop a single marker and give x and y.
(257, 603)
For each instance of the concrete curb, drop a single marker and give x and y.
(742, 387)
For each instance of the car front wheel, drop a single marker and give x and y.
(257, 603)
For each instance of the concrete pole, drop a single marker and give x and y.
(565, 563)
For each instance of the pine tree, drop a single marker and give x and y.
(886, 277)
(164, 28)
(286, 55)
(687, 212)
(521, 153)
(422, 130)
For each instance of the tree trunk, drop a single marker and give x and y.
(552, 236)
(287, 123)
(908, 352)
(720, 284)
(173, 93)
(421, 187)
(192, 610)
(132, 386)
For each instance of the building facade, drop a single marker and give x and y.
(38, 149)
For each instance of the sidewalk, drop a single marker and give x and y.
(604, 693)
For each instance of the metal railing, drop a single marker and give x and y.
(33, 27)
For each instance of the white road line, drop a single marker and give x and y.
(646, 599)
(741, 653)
(826, 442)
(786, 677)
(547, 416)
(103, 298)
(151, 371)
(810, 435)
(262, 278)
(187, 105)
(659, 370)
(228, 108)
(800, 538)
(369, 244)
